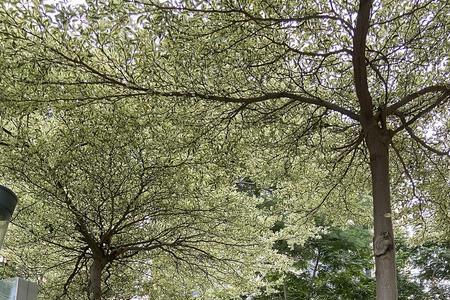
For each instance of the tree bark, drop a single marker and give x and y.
(378, 138)
(95, 278)
(386, 276)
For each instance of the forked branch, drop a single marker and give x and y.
(419, 140)
(439, 101)
(407, 99)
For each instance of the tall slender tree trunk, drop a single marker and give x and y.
(95, 278)
(378, 139)
(386, 276)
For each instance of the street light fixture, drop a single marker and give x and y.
(8, 201)
(12, 288)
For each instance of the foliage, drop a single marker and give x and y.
(99, 183)
(284, 67)
(426, 269)
(335, 265)
(338, 264)
(337, 99)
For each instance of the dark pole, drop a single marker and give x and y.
(8, 202)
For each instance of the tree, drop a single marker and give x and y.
(128, 206)
(425, 270)
(335, 264)
(338, 264)
(352, 83)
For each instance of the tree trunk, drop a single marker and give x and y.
(378, 139)
(95, 278)
(386, 276)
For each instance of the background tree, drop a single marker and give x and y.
(335, 264)
(338, 264)
(425, 268)
(348, 83)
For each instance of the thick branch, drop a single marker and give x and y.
(443, 98)
(309, 53)
(407, 99)
(359, 60)
(226, 99)
(264, 97)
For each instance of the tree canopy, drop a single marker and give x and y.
(337, 100)
(109, 199)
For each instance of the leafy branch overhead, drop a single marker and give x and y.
(328, 102)
(307, 52)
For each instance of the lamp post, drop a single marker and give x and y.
(12, 288)
(8, 201)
